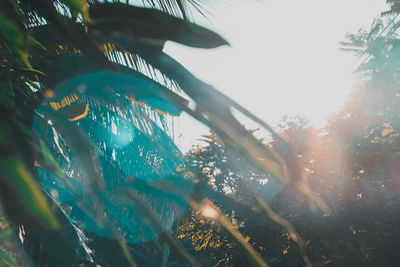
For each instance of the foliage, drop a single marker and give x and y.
(241, 192)
(80, 79)
(352, 163)
(355, 176)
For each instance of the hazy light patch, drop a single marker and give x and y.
(124, 137)
(209, 212)
(284, 57)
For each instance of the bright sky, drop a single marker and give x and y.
(284, 57)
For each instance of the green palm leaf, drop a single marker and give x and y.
(118, 19)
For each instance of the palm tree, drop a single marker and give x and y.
(77, 72)
(377, 47)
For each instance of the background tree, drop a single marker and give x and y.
(352, 163)
(363, 207)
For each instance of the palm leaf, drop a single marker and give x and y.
(118, 19)
(103, 84)
(153, 220)
(18, 179)
(80, 144)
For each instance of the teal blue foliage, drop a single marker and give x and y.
(104, 84)
(130, 152)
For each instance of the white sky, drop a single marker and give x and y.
(284, 57)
